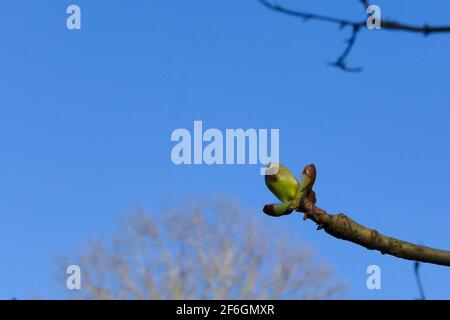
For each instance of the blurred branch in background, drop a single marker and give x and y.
(418, 280)
(355, 26)
(212, 250)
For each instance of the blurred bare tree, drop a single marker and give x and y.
(212, 250)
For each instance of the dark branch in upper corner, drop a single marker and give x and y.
(356, 27)
(307, 15)
(365, 3)
(340, 62)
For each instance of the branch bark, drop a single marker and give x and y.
(343, 227)
(340, 226)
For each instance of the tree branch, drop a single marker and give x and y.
(342, 227)
(306, 15)
(425, 29)
(340, 62)
(356, 27)
(365, 3)
(299, 196)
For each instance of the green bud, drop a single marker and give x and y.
(281, 182)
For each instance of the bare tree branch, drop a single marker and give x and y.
(425, 29)
(356, 26)
(310, 16)
(340, 62)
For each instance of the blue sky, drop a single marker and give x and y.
(86, 118)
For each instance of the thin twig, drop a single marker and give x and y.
(306, 15)
(365, 3)
(357, 26)
(419, 282)
(340, 62)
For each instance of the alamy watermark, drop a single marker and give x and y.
(374, 280)
(374, 20)
(73, 281)
(73, 21)
(235, 146)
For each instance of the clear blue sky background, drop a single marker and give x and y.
(86, 118)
